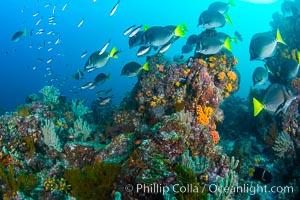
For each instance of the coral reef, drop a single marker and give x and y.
(164, 132)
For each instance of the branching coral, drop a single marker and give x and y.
(79, 109)
(50, 94)
(82, 129)
(50, 137)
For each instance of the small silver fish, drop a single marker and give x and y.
(57, 41)
(135, 31)
(99, 92)
(104, 101)
(104, 47)
(92, 87)
(49, 60)
(113, 10)
(36, 14)
(128, 30)
(165, 47)
(38, 22)
(87, 85)
(83, 54)
(80, 23)
(53, 10)
(143, 50)
(64, 7)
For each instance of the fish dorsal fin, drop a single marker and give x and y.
(279, 38)
(146, 27)
(258, 106)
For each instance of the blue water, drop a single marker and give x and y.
(23, 74)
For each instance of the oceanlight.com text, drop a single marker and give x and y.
(212, 188)
(250, 189)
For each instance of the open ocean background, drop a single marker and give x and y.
(24, 70)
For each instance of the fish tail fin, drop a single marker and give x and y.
(234, 39)
(108, 76)
(179, 31)
(227, 18)
(25, 32)
(279, 38)
(298, 55)
(258, 106)
(183, 27)
(146, 27)
(113, 52)
(146, 66)
(231, 3)
(227, 44)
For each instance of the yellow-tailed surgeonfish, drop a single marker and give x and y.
(276, 100)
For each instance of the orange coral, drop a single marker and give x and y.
(215, 136)
(231, 75)
(212, 64)
(202, 62)
(208, 111)
(212, 58)
(203, 114)
(229, 87)
(153, 104)
(202, 119)
(221, 76)
(186, 71)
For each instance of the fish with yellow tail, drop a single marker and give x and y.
(96, 61)
(132, 69)
(276, 100)
(212, 45)
(263, 45)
